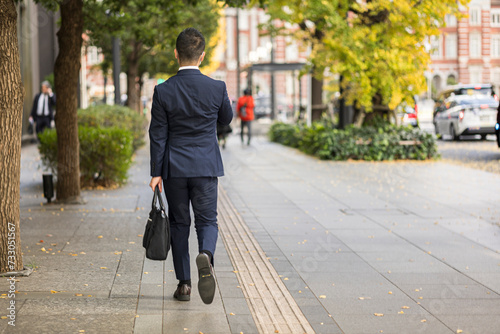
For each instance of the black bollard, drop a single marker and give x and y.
(48, 187)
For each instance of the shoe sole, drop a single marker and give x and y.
(183, 298)
(206, 282)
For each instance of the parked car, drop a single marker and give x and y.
(497, 128)
(263, 106)
(467, 115)
(407, 115)
(471, 89)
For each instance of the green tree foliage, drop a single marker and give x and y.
(147, 30)
(378, 46)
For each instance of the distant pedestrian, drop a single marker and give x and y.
(245, 112)
(185, 157)
(42, 112)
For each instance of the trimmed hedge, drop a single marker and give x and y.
(109, 135)
(369, 143)
(106, 116)
(105, 154)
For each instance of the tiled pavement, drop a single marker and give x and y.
(335, 247)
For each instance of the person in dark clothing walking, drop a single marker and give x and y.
(186, 159)
(42, 112)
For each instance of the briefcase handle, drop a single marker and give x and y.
(156, 196)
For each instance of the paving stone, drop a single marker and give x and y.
(149, 323)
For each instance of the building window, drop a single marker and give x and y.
(244, 48)
(437, 46)
(475, 45)
(450, 20)
(475, 74)
(495, 46)
(451, 46)
(495, 18)
(92, 55)
(230, 40)
(474, 16)
(243, 19)
(451, 80)
(495, 78)
(291, 51)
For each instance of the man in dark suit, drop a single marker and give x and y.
(42, 112)
(185, 156)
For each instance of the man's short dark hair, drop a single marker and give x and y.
(190, 45)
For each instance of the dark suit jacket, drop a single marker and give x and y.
(184, 115)
(51, 103)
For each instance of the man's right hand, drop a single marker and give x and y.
(156, 181)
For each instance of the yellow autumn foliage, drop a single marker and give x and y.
(380, 47)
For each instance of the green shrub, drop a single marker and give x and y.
(106, 116)
(369, 143)
(48, 149)
(105, 154)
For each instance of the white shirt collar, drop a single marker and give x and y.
(188, 68)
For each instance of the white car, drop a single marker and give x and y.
(467, 115)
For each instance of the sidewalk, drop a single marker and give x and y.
(305, 246)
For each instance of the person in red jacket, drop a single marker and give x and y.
(245, 112)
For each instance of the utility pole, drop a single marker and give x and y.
(342, 111)
(273, 92)
(238, 83)
(116, 69)
(342, 107)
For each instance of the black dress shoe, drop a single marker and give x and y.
(183, 292)
(206, 278)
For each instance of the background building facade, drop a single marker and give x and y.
(468, 50)
(246, 43)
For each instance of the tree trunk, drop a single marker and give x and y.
(140, 84)
(66, 73)
(359, 116)
(317, 106)
(133, 98)
(11, 108)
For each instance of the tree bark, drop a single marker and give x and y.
(66, 72)
(133, 99)
(11, 108)
(317, 99)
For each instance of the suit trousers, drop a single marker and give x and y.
(201, 192)
(42, 123)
